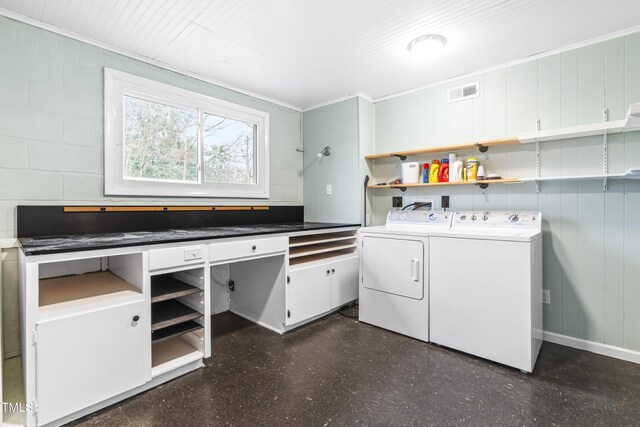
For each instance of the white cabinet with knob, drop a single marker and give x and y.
(112, 355)
(323, 274)
(85, 330)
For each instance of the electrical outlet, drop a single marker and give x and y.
(396, 201)
(329, 190)
(546, 296)
(445, 202)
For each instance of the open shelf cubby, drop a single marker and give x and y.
(315, 247)
(321, 256)
(171, 312)
(75, 284)
(81, 286)
(174, 331)
(166, 351)
(177, 310)
(166, 287)
(312, 239)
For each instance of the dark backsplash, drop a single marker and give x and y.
(38, 221)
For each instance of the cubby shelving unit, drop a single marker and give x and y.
(176, 317)
(316, 247)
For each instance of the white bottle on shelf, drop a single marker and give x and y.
(455, 174)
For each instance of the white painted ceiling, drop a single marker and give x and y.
(305, 52)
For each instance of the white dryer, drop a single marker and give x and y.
(486, 286)
(394, 271)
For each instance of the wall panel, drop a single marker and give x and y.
(591, 238)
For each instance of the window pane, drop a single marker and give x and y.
(229, 150)
(160, 141)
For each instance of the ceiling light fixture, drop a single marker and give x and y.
(427, 46)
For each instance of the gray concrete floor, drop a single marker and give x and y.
(338, 371)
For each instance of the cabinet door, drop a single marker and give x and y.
(309, 293)
(86, 358)
(344, 281)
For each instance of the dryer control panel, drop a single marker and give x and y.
(532, 220)
(419, 217)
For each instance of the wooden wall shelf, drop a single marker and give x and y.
(440, 184)
(481, 145)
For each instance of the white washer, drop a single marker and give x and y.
(394, 271)
(486, 286)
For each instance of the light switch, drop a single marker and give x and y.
(329, 190)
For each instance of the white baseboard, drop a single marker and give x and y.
(593, 347)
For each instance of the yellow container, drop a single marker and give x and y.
(434, 171)
(472, 169)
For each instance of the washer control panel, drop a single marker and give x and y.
(419, 217)
(498, 219)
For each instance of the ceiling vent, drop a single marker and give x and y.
(460, 93)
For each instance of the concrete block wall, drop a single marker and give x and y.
(51, 134)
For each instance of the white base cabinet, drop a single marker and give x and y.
(100, 326)
(318, 288)
(86, 358)
(309, 293)
(344, 281)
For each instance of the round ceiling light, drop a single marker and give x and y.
(427, 46)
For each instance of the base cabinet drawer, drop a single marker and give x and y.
(247, 248)
(86, 358)
(176, 257)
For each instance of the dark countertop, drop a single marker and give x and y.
(84, 242)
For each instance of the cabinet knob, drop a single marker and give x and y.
(333, 270)
(253, 248)
(136, 318)
(328, 271)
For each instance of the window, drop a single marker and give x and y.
(165, 141)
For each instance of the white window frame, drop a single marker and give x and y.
(117, 84)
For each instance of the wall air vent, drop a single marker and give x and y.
(461, 93)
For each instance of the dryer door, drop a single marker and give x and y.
(393, 265)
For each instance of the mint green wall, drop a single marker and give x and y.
(366, 146)
(51, 123)
(591, 237)
(335, 125)
(347, 127)
(51, 134)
